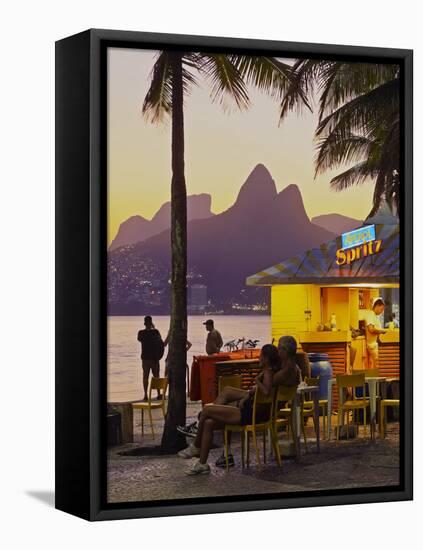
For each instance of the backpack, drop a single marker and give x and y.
(159, 347)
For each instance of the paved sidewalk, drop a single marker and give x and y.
(345, 464)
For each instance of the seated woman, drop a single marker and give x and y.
(232, 406)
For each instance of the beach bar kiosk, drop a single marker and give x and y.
(321, 296)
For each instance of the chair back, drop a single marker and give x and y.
(260, 399)
(366, 372)
(350, 380)
(311, 382)
(285, 394)
(158, 384)
(235, 381)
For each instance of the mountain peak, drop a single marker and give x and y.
(291, 191)
(259, 186)
(136, 228)
(290, 203)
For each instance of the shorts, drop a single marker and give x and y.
(262, 413)
(152, 365)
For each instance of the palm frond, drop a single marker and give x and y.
(267, 74)
(158, 100)
(305, 75)
(363, 113)
(336, 149)
(388, 182)
(225, 79)
(356, 175)
(341, 82)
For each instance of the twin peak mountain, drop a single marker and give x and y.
(260, 229)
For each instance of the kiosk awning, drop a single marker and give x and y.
(368, 255)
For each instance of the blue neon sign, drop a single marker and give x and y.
(358, 236)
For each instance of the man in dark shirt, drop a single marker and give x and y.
(150, 339)
(214, 340)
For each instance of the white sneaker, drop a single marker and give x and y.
(198, 469)
(189, 452)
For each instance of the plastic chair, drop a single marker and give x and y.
(254, 428)
(382, 421)
(234, 381)
(155, 384)
(283, 416)
(345, 381)
(307, 409)
(367, 373)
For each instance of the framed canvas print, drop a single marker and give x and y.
(233, 274)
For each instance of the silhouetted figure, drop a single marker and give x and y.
(166, 343)
(214, 340)
(152, 349)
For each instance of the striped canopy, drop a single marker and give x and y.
(318, 265)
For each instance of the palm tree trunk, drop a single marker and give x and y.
(172, 440)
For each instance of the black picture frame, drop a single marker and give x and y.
(81, 183)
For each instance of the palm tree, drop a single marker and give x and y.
(172, 79)
(358, 121)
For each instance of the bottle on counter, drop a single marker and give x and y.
(333, 322)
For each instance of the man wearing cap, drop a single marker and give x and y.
(373, 330)
(214, 339)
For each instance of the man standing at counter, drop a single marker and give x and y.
(214, 339)
(373, 330)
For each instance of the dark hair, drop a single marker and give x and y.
(148, 320)
(270, 352)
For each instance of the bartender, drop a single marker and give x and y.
(373, 330)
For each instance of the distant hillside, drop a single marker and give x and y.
(136, 228)
(262, 228)
(336, 223)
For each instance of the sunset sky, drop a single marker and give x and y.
(221, 149)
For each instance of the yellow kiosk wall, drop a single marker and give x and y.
(294, 309)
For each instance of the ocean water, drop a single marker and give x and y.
(124, 381)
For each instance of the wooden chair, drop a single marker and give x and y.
(282, 416)
(367, 373)
(253, 429)
(155, 384)
(382, 420)
(353, 381)
(234, 380)
(307, 408)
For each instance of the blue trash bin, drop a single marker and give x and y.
(321, 367)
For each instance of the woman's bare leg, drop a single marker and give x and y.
(209, 426)
(214, 417)
(208, 411)
(229, 395)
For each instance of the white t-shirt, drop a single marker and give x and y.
(372, 319)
